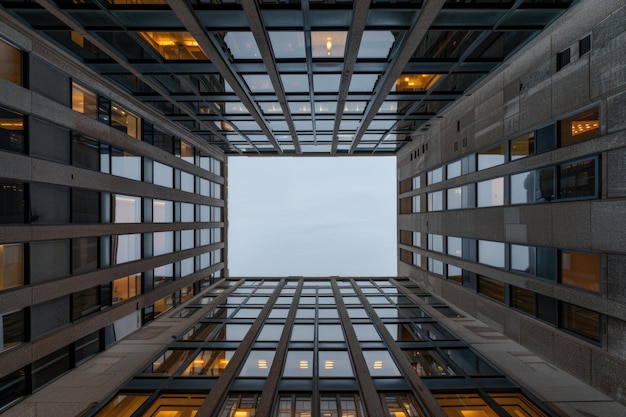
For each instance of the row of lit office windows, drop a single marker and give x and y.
(576, 269)
(571, 180)
(572, 318)
(579, 127)
(488, 403)
(98, 107)
(38, 203)
(41, 261)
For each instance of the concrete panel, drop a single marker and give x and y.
(536, 96)
(537, 337)
(608, 374)
(608, 49)
(616, 342)
(574, 356)
(616, 169)
(538, 219)
(616, 280)
(608, 223)
(564, 216)
(570, 87)
(491, 313)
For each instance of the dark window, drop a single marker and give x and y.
(523, 300)
(581, 321)
(546, 263)
(163, 141)
(544, 188)
(84, 254)
(85, 206)
(562, 59)
(584, 45)
(85, 302)
(578, 179)
(85, 152)
(491, 288)
(12, 387)
(49, 141)
(12, 204)
(49, 204)
(11, 329)
(49, 260)
(546, 138)
(11, 129)
(50, 367)
(87, 346)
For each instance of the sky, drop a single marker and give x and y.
(312, 216)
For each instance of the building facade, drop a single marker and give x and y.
(507, 120)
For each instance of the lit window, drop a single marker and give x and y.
(464, 404)
(517, 404)
(11, 63)
(175, 45)
(126, 288)
(122, 119)
(582, 126)
(581, 270)
(11, 265)
(168, 362)
(523, 146)
(416, 82)
(176, 405)
(11, 130)
(84, 101)
(491, 157)
(328, 44)
(122, 405)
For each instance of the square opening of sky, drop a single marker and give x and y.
(312, 216)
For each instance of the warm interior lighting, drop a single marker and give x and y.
(244, 412)
(225, 125)
(416, 82)
(329, 364)
(304, 364)
(474, 413)
(378, 364)
(582, 126)
(329, 44)
(198, 362)
(223, 363)
(77, 38)
(12, 124)
(262, 363)
(175, 45)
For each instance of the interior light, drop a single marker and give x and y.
(378, 364)
(11, 124)
(304, 364)
(329, 364)
(262, 363)
(329, 45)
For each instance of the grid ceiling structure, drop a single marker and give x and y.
(293, 77)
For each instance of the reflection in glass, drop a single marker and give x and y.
(435, 201)
(125, 164)
(523, 146)
(257, 364)
(84, 101)
(163, 175)
(415, 82)
(122, 405)
(11, 126)
(328, 44)
(379, 363)
(162, 211)
(517, 404)
(163, 242)
(491, 157)
(168, 362)
(375, 44)
(11, 265)
(287, 44)
(181, 404)
(457, 405)
(344, 405)
(200, 331)
(428, 363)
(523, 187)
(491, 192)
(491, 253)
(209, 363)
(302, 333)
(294, 406)
(232, 332)
(402, 405)
(523, 258)
(270, 333)
(330, 332)
(298, 363)
(366, 332)
(125, 248)
(335, 363)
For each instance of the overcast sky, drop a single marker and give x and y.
(312, 216)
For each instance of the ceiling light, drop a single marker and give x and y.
(329, 44)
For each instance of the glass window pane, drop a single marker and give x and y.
(330, 332)
(162, 211)
(577, 179)
(328, 44)
(435, 201)
(455, 404)
(123, 120)
(523, 187)
(84, 255)
(287, 44)
(122, 405)
(491, 253)
(428, 362)
(11, 127)
(125, 164)
(84, 101)
(175, 45)
(163, 175)
(298, 364)
(582, 126)
(523, 300)
(11, 265)
(379, 363)
(208, 363)
(491, 288)
(11, 331)
(11, 64)
(581, 270)
(491, 192)
(366, 332)
(13, 203)
(523, 146)
(517, 404)
(169, 362)
(125, 248)
(126, 209)
(257, 364)
(334, 364)
(491, 157)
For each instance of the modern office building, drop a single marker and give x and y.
(507, 121)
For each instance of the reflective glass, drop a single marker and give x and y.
(328, 44)
(257, 364)
(490, 193)
(435, 201)
(326, 83)
(298, 363)
(125, 248)
(375, 44)
(11, 265)
(522, 187)
(168, 362)
(334, 363)
(209, 363)
(491, 253)
(232, 332)
(270, 333)
(175, 45)
(163, 175)
(523, 258)
(491, 157)
(163, 242)
(287, 44)
(258, 83)
(302, 333)
(11, 125)
(366, 332)
(522, 146)
(162, 211)
(125, 164)
(330, 332)
(379, 363)
(455, 246)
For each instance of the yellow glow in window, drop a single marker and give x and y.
(175, 45)
(416, 82)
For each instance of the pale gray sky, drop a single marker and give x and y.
(312, 216)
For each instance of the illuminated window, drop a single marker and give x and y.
(340, 405)
(464, 405)
(517, 404)
(126, 288)
(582, 126)
(523, 146)
(402, 405)
(416, 82)
(328, 44)
(175, 45)
(11, 130)
(84, 101)
(11, 63)
(11, 265)
(122, 119)
(176, 405)
(240, 405)
(293, 406)
(581, 270)
(122, 405)
(491, 157)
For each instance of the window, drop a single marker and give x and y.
(11, 265)
(405, 186)
(12, 387)
(125, 164)
(491, 157)
(455, 274)
(523, 259)
(187, 152)
(180, 404)
(208, 363)
(435, 266)
(428, 362)
(434, 176)
(455, 246)
(123, 120)
(11, 330)
(435, 243)
(402, 404)
(516, 404)
(379, 363)
(582, 126)
(257, 364)
(175, 45)
(491, 288)
(581, 321)
(239, 405)
(84, 254)
(416, 182)
(577, 179)
(84, 101)
(523, 300)
(122, 405)
(293, 406)
(12, 202)
(126, 288)
(405, 205)
(581, 270)
(162, 211)
(85, 206)
(584, 45)
(435, 201)
(491, 253)
(522, 146)
(490, 192)
(126, 209)
(125, 248)
(460, 197)
(11, 127)
(454, 169)
(163, 175)
(522, 187)
(11, 64)
(562, 59)
(417, 203)
(334, 364)
(85, 302)
(169, 362)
